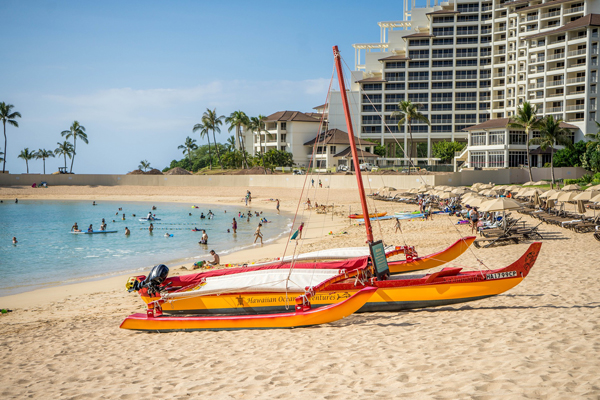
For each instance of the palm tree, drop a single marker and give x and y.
(27, 155)
(7, 116)
(526, 118)
(236, 120)
(75, 131)
(255, 125)
(64, 149)
(550, 134)
(204, 132)
(230, 143)
(144, 164)
(43, 154)
(188, 146)
(212, 122)
(594, 136)
(409, 112)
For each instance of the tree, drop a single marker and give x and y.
(188, 146)
(144, 164)
(595, 137)
(230, 144)
(6, 115)
(550, 134)
(526, 118)
(212, 123)
(27, 155)
(570, 156)
(409, 112)
(278, 158)
(446, 150)
(64, 149)
(204, 132)
(75, 131)
(236, 120)
(591, 159)
(255, 125)
(377, 149)
(43, 154)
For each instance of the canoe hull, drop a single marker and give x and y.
(315, 316)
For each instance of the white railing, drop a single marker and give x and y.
(442, 55)
(441, 78)
(556, 41)
(499, 75)
(578, 92)
(499, 97)
(576, 107)
(537, 60)
(486, 8)
(573, 10)
(554, 109)
(467, 99)
(484, 31)
(556, 56)
(532, 17)
(536, 85)
(577, 52)
(556, 83)
(555, 95)
(502, 51)
(550, 14)
(576, 80)
(418, 78)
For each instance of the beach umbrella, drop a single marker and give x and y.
(530, 183)
(539, 183)
(597, 187)
(595, 199)
(566, 196)
(536, 199)
(446, 195)
(492, 192)
(555, 195)
(459, 191)
(548, 193)
(500, 204)
(587, 195)
(488, 186)
(413, 190)
(571, 187)
(476, 202)
(532, 192)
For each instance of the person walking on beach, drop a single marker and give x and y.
(246, 198)
(474, 219)
(127, 233)
(398, 227)
(320, 184)
(300, 231)
(308, 203)
(277, 200)
(151, 227)
(312, 182)
(234, 225)
(257, 234)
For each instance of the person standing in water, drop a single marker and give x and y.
(258, 234)
(151, 227)
(123, 217)
(234, 226)
(15, 240)
(127, 232)
(204, 238)
(277, 200)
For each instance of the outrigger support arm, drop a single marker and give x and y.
(361, 188)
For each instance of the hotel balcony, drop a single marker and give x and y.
(576, 107)
(572, 10)
(577, 53)
(556, 56)
(550, 14)
(556, 83)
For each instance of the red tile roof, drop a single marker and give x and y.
(290, 116)
(588, 20)
(361, 153)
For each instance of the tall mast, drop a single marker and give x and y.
(361, 189)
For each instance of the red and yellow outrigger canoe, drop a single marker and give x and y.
(448, 286)
(371, 215)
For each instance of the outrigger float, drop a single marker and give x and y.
(261, 297)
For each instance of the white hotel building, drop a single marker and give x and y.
(474, 62)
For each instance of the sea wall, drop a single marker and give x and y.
(464, 178)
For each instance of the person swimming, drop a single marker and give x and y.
(202, 216)
(15, 240)
(123, 217)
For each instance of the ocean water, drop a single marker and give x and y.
(47, 254)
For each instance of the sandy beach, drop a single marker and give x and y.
(540, 340)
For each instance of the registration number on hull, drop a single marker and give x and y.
(501, 275)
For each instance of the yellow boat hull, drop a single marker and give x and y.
(433, 260)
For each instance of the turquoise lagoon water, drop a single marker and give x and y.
(47, 254)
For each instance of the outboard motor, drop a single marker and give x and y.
(157, 275)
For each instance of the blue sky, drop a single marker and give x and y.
(139, 74)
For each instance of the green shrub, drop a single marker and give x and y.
(587, 178)
(571, 181)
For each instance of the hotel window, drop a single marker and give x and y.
(283, 126)
(466, 106)
(391, 107)
(446, 31)
(442, 53)
(372, 98)
(418, 97)
(418, 76)
(392, 119)
(371, 119)
(441, 118)
(466, 118)
(371, 107)
(484, 106)
(418, 64)
(283, 137)
(485, 84)
(466, 96)
(466, 85)
(394, 65)
(486, 39)
(441, 97)
(517, 137)
(441, 107)
(394, 97)
(441, 85)
(394, 76)
(477, 159)
(443, 42)
(485, 61)
(442, 64)
(418, 86)
(420, 128)
(372, 86)
(467, 30)
(484, 117)
(441, 75)
(394, 86)
(283, 148)
(418, 54)
(465, 8)
(592, 116)
(421, 42)
(478, 139)
(371, 129)
(466, 63)
(496, 159)
(497, 137)
(517, 158)
(441, 128)
(332, 149)
(442, 20)
(472, 52)
(461, 128)
(467, 18)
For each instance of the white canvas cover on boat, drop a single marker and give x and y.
(330, 254)
(259, 281)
